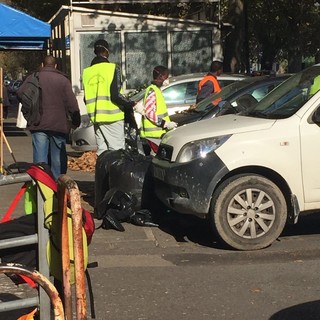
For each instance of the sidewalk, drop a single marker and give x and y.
(136, 247)
(19, 141)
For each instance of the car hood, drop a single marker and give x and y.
(186, 117)
(228, 124)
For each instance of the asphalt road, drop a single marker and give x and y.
(180, 271)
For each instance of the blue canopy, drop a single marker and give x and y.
(19, 31)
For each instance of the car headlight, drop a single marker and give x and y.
(200, 148)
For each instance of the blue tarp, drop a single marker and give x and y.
(19, 31)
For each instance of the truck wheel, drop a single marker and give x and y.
(248, 212)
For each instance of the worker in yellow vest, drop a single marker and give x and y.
(210, 84)
(106, 106)
(155, 120)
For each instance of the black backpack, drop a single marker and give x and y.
(30, 99)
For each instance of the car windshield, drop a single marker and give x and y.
(225, 92)
(290, 96)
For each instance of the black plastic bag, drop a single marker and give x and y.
(128, 174)
(125, 171)
(102, 171)
(118, 206)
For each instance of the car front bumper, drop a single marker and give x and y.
(188, 187)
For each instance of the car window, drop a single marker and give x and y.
(17, 84)
(224, 94)
(289, 97)
(259, 91)
(262, 91)
(175, 94)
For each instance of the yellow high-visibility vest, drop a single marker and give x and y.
(97, 81)
(148, 128)
(315, 87)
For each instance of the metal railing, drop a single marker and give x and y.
(45, 284)
(40, 238)
(68, 193)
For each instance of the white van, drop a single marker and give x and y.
(249, 173)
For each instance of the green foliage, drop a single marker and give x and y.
(277, 29)
(16, 64)
(42, 10)
(280, 29)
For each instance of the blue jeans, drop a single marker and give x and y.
(50, 148)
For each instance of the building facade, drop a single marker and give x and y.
(137, 44)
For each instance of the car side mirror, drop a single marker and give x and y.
(316, 116)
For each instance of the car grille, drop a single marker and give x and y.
(165, 152)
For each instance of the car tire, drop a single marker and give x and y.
(246, 224)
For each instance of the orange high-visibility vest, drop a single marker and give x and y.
(213, 79)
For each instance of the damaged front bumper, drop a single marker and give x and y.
(188, 187)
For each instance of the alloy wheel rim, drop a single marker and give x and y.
(251, 213)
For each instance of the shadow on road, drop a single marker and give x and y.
(86, 189)
(12, 315)
(188, 228)
(306, 311)
(307, 224)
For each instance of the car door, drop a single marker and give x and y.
(310, 155)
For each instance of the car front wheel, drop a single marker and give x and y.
(248, 212)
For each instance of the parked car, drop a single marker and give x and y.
(6, 82)
(13, 88)
(233, 98)
(249, 173)
(179, 94)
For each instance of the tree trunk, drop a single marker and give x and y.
(317, 56)
(294, 60)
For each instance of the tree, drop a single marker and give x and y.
(16, 64)
(264, 31)
(43, 12)
(234, 39)
(283, 29)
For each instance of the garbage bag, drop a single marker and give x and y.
(118, 200)
(128, 174)
(102, 169)
(118, 206)
(110, 220)
(142, 218)
(125, 171)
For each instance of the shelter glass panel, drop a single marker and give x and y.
(191, 51)
(144, 51)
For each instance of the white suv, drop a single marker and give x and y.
(249, 173)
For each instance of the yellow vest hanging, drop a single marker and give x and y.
(97, 83)
(148, 128)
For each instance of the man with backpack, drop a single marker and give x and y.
(47, 103)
